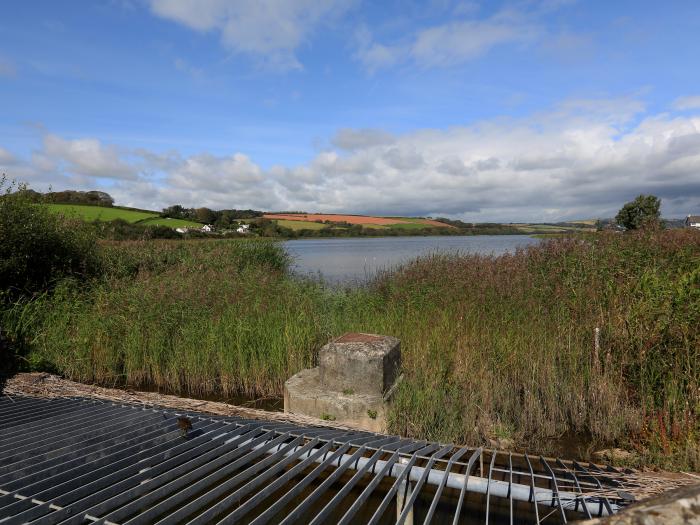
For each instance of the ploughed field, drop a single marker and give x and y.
(363, 220)
(495, 349)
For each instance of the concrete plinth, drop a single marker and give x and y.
(352, 383)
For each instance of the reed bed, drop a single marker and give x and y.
(494, 348)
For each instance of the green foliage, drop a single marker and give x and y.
(492, 347)
(38, 249)
(99, 213)
(220, 218)
(642, 212)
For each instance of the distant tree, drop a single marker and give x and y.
(205, 215)
(174, 212)
(641, 212)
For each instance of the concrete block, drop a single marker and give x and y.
(304, 394)
(360, 363)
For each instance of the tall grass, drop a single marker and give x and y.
(492, 346)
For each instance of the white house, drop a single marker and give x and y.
(243, 228)
(692, 221)
(207, 228)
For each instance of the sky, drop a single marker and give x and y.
(477, 110)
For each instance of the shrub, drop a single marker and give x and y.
(38, 249)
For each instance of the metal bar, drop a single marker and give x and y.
(267, 491)
(532, 485)
(510, 485)
(321, 517)
(112, 427)
(604, 500)
(409, 505)
(436, 498)
(467, 476)
(64, 428)
(220, 488)
(578, 487)
(115, 494)
(212, 463)
(488, 485)
(555, 492)
(46, 470)
(64, 480)
(384, 470)
(327, 483)
(298, 488)
(392, 491)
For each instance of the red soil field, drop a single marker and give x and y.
(351, 219)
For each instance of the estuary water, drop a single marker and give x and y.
(354, 260)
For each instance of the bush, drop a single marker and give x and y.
(38, 249)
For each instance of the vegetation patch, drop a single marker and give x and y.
(170, 223)
(301, 225)
(492, 347)
(99, 213)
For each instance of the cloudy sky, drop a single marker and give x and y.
(481, 110)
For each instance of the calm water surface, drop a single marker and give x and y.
(357, 259)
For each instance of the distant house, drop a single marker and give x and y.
(208, 228)
(692, 221)
(243, 228)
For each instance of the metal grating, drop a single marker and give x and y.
(76, 461)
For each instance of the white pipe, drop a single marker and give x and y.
(500, 489)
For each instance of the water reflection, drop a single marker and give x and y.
(353, 260)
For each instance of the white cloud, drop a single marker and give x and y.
(582, 159)
(461, 41)
(88, 157)
(690, 102)
(269, 30)
(468, 37)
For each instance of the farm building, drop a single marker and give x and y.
(692, 221)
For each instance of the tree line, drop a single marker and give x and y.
(218, 218)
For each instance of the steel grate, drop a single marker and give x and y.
(76, 461)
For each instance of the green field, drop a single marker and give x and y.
(103, 213)
(172, 223)
(410, 226)
(301, 225)
(99, 213)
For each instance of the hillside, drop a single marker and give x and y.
(316, 221)
(105, 214)
(326, 225)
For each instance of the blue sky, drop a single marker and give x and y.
(503, 111)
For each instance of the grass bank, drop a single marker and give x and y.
(493, 347)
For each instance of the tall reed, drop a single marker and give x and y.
(493, 347)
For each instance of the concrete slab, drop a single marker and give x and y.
(304, 394)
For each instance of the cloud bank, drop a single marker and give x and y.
(268, 30)
(581, 159)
